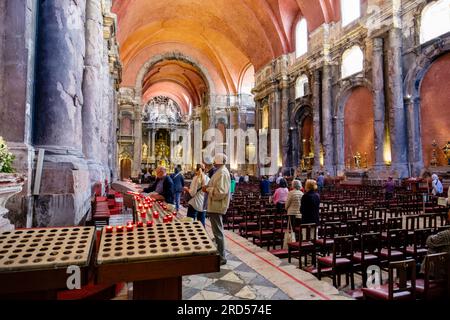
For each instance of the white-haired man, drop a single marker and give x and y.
(219, 194)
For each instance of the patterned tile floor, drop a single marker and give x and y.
(251, 273)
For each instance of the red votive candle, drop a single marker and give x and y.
(130, 222)
(155, 214)
(150, 206)
(130, 227)
(149, 223)
(143, 214)
(166, 219)
(109, 229)
(140, 224)
(119, 229)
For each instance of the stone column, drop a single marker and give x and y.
(285, 125)
(397, 118)
(327, 118)
(65, 188)
(92, 86)
(415, 148)
(316, 120)
(137, 156)
(379, 101)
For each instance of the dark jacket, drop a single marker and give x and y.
(310, 207)
(178, 182)
(265, 187)
(168, 189)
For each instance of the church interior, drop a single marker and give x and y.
(100, 99)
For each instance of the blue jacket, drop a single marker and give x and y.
(178, 182)
(168, 189)
(265, 187)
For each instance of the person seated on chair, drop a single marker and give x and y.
(438, 243)
(163, 188)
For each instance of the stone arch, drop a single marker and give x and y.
(173, 56)
(302, 113)
(412, 84)
(347, 89)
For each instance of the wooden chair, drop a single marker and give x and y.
(250, 223)
(327, 232)
(368, 254)
(428, 220)
(418, 249)
(264, 234)
(395, 246)
(305, 244)
(399, 287)
(340, 261)
(436, 281)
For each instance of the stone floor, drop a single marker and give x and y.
(251, 273)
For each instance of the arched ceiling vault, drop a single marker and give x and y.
(224, 36)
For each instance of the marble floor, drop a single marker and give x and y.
(251, 273)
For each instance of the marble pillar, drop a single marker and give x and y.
(397, 116)
(137, 155)
(285, 125)
(316, 120)
(378, 102)
(92, 87)
(327, 107)
(65, 188)
(327, 121)
(415, 148)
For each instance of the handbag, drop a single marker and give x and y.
(289, 235)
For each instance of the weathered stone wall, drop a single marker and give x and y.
(70, 97)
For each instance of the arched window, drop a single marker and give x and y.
(352, 61)
(301, 38)
(435, 20)
(301, 86)
(350, 11)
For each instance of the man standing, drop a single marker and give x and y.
(218, 190)
(178, 181)
(163, 186)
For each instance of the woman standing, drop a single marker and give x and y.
(196, 204)
(281, 195)
(310, 203)
(294, 200)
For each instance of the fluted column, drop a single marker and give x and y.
(92, 86)
(379, 101)
(65, 188)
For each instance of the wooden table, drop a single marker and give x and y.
(34, 262)
(156, 258)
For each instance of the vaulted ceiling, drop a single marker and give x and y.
(223, 37)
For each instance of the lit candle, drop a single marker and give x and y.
(140, 224)
(150, 206)
(130, 227)
(166, 219)
(149, 223)
(155, 214)
(143, 214)
(146, 206)
(119, 229)
(109, 229)
(130, 223)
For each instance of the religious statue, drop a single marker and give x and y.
(144, 151)
(357, 158)
(446, 150)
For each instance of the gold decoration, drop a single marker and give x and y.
(434, 161)
(446, 150)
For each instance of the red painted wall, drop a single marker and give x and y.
(358, 125)
(435, 108)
